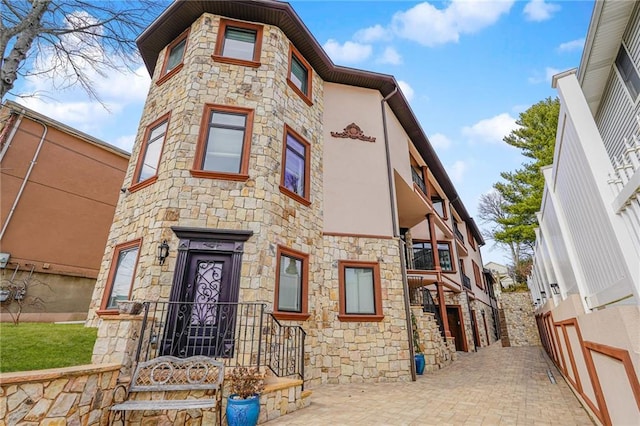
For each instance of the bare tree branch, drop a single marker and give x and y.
(70, 41)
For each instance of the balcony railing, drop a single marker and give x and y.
(240, 334)
(421, 296)
(457, 232)
(418, 180)
(466, 281)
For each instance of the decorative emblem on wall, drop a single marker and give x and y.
(353, 131)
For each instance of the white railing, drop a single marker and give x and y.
(625, 183)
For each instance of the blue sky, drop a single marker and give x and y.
(467, 67)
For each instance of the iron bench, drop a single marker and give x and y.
(168, 373)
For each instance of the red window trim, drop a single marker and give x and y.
(304, 305)
(306, 98)
(164, 76)
(257, 47)
(377, 292)
(453, 259)
(306, 199)
(135, 186)
(112, 271)
(477, 276)
(243, 175)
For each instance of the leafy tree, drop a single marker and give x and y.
(512, 211)
(75, 41)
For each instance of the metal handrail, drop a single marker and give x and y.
(240, 334)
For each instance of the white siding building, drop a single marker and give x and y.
(586, 275)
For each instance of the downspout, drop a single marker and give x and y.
(396, 234)
(14, 129)
(26, 178)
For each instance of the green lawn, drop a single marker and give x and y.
(37, 346)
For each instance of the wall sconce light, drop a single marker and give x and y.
(163, 252)
(543, 294)
(555, 288)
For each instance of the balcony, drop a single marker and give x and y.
(418, 179)
(466, 281)
(457, 232)
(240, 334)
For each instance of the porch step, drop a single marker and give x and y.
(282, 396)
(274, 383)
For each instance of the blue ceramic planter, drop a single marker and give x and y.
(243, 412)
(419, 363)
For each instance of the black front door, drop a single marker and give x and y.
(201, 318)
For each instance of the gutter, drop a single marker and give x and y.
(26, 176)
(396, 234)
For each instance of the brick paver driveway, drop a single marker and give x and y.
(496, 386)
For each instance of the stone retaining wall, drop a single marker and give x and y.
(520, 320)
(61, 396)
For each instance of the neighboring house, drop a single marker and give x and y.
(501, 274)
(277, 177)
(59, 188)
(586, 271)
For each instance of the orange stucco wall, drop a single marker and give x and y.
(63, 217)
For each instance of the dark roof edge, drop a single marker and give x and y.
(34, 115)
(182, 13)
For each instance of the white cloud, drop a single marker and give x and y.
(539, 10)
(371, 34)
(407, 90)
(349, 52)
(125, 142)
(390, 56)
(440, 141)
(83, 115)
(572, 45)
(491, 130)
(456, 171)
(543, 77)
(430, 26)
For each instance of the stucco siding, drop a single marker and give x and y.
(356, 200)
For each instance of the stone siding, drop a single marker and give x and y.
(485, 317)
(520, 319)
(177, 198)
(341, 352)
(437, 352)
(74, 395)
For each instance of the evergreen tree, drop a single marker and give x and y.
(521, 190)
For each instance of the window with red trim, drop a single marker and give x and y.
(477, 276)
(360, 291)
(300, 75)
(292, 284)
(149, 158)
(224, 144)
(174, 57)
(238, 43)
(296, 159)
(121, 275)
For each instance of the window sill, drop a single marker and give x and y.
(235, 61)
(300, 93)
(295, 196)
(107, 312)
(143, 184)
(170, 74)
(293, 316)
(360, 318)
(219, 175)
(449, 272)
